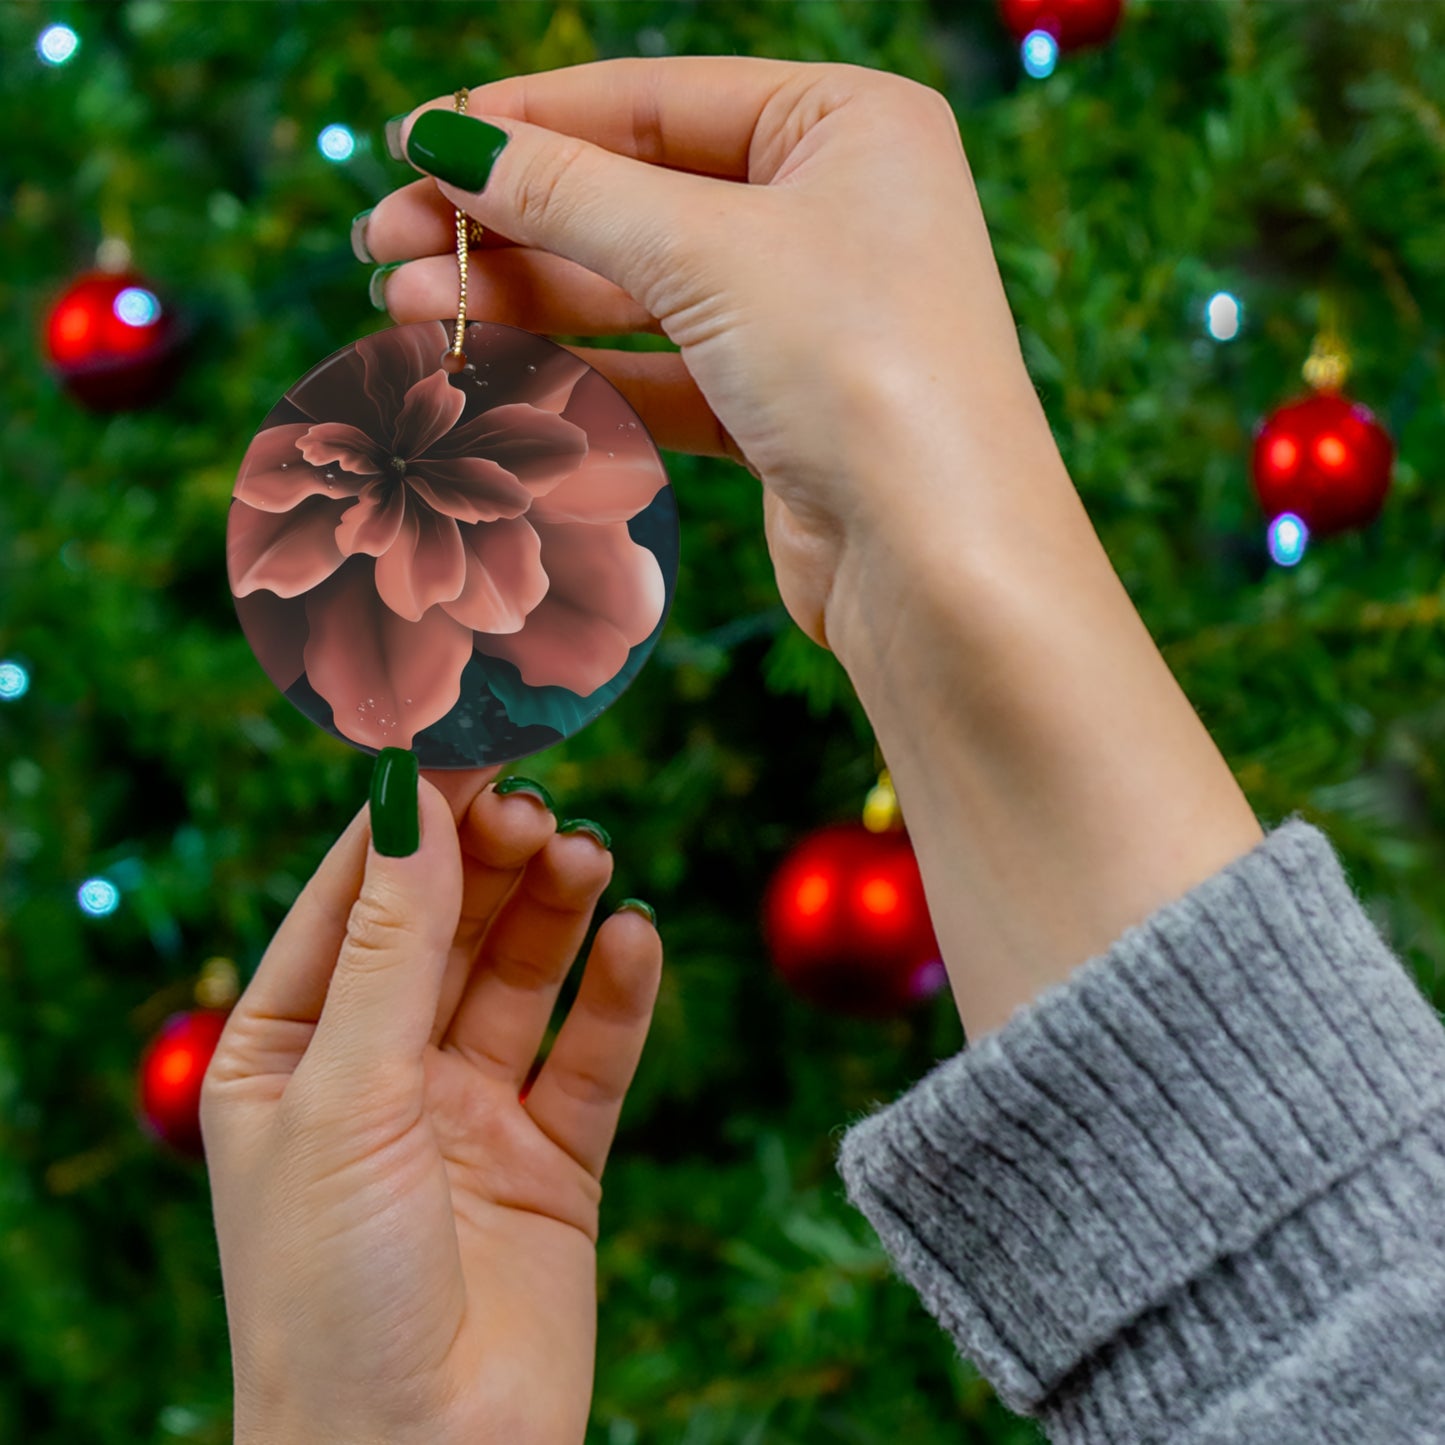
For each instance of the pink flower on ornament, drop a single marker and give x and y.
(415, 536)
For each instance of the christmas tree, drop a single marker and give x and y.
(1179, 213)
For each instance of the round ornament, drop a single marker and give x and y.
(171, 1073)
(470, 563)
(1324, 458)
(112, 341)
(847, 924)
(1073, 23)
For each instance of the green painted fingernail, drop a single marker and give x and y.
(636, 905)
(586, 825)
(392, 131)
(359, 247)
(395, 820)
(376, 289)
(458, 149)
(516, 784)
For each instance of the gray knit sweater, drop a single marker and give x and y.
(1196, 1192)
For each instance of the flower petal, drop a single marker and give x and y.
(622, 471)
(347, 446)
(276, 629)
(505, 576)
(425, 565)
(606, 595)
(551, 387)
(605, 488)
(394, 360)
(371, 525)
(471, 489)
(285, 552)
(335, 390)
(537, 447)
(274, 476)
(517, 366)
(385, 678)
(430, 411)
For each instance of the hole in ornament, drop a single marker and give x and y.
(452, 363)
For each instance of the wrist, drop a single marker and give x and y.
(1056, 782)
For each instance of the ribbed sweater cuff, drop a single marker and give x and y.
(1148, 1162)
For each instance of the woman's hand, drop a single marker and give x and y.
(408, 1246)
(810, 237)
(842, 325)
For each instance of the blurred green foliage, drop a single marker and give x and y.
(1287, 153)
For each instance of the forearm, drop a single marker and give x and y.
(1057, 784)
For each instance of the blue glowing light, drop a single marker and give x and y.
(1288, 537)
(1040, 53)
(136, 306)
(98, 897)
(336, 143)
(1223, 316)
(14, 681)
(57, 44)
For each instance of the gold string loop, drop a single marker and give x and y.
(469, 232)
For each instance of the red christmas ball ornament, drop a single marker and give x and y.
(112, 341)
(1326, 459)
(847, 924)
(1073, 23)
(171, 1072)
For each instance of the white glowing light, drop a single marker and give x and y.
(1040, 53)
(336, 143)
(136, 306)
(14, 681)
(98, 897)
(57, 44)
(1223, 316)
(1288, 537)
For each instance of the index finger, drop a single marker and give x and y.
(698, 113)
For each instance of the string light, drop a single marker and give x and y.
(57, 44)
(1223, 316)
(14, 681)
(1040, 52)
(336, 143)
(136, 306)
(98, 897)
(1288, 537)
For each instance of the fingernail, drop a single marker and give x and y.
(395, 821)
(526, 785)
(376, 288)
(636, 905)
(393, 136)
(455, 148)
(586, 825)
(358, 236)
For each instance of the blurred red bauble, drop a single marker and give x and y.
(171, 1071)
(112, 341)
(1073, 23)
(847, 924)
(1324, 458)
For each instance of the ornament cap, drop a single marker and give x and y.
(881, 812)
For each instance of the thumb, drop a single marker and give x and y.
(634, 224)
(382, 1000)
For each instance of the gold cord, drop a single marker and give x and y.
(465, 233)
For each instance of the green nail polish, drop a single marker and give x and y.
(395, 821)
(586, 825)
(525, 785)
(358, 237)
(392, 131)
(376, 288)
(455, 148)
(636, 905)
